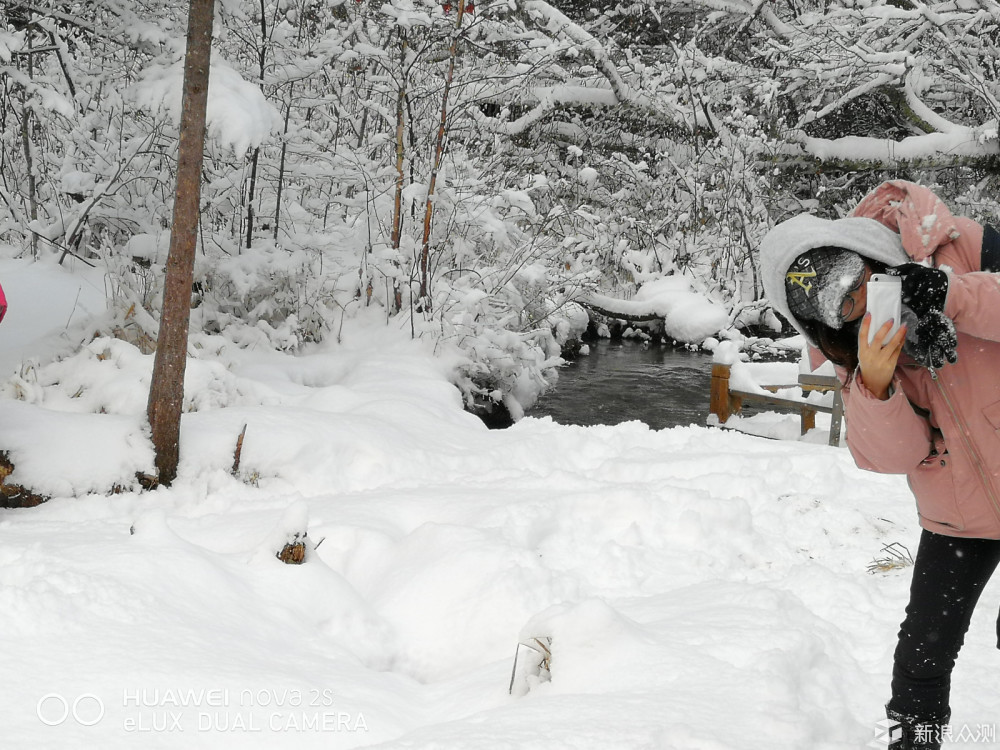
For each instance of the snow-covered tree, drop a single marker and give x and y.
(472, 172)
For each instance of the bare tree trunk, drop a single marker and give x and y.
(166, 391)
(250, 195)
(30, 166)
(262, 67)
(28, 160)
(425, 302)
(281, 163)
(397, 208)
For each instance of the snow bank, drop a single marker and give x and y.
(44, 300)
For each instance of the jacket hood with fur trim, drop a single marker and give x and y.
(789, 239)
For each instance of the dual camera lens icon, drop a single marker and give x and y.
(54, 709)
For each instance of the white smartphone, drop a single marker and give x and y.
(884, 293)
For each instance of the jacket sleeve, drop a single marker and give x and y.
(884, 436)
(973, 301)
(928, 228)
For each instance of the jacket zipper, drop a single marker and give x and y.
(977, 459)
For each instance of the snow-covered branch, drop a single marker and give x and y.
(868, 86)
(66, 19)
(550, 97)
(558, 24)
(925, 113)
(973, 142)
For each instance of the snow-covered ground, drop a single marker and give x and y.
(702, 589)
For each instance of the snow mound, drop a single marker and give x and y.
(239, 117)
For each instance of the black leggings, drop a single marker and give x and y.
(948, 576)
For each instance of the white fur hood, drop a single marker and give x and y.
(789, 239)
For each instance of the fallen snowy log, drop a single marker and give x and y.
(687, 315)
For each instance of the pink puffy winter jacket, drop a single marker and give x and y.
(941, 428)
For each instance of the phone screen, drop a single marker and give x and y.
(884, 293)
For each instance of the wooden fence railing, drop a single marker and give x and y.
(725, 401)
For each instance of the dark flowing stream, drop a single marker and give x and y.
(620, 381)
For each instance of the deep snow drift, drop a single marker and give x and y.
(703, 590)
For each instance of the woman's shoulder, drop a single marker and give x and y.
(924, 222)
(964, 253)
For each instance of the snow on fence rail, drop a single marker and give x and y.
(733, 384)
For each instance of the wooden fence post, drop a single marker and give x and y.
(836, 418)
(719, 404)
(807, 419)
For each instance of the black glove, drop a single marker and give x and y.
(924, 289)
(934, 341)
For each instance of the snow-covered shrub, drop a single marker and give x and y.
(509, 324)
(589, 147)
(507, 368)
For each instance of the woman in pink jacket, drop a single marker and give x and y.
(924, 402)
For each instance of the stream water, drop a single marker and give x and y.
(620, 381)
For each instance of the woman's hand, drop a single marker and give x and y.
(878, 359)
